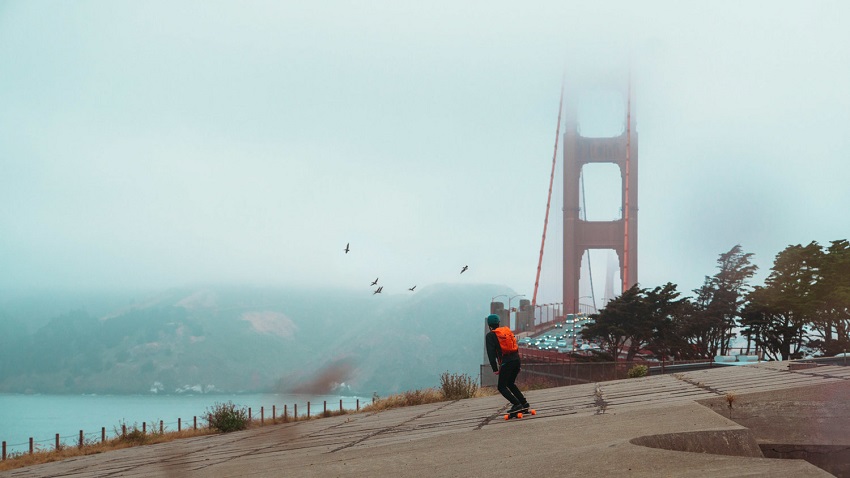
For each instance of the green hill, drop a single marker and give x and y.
(232, 339)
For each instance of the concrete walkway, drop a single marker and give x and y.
(652, 426)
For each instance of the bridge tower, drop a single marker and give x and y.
(580, 235)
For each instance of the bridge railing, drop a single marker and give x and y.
(548, 368)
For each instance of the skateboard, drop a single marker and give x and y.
(520, 413)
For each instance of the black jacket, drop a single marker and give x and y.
(494, 351)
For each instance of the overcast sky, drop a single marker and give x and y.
(166, 143)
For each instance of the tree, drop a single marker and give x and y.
(689, 335)
(665, 310)
(720, 299)
(776, 314)
(701, 328)
(637, 319)
(614, 324)
(831, 322)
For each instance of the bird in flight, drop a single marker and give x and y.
(464, 269)
(378, 290)
(346, 247)
(411, 289)
(375, 282)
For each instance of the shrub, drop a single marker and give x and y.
(227, 417)
(457, 386)
(130, 433)
(730, 399)
(638, 371)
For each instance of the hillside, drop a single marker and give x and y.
(230, 339)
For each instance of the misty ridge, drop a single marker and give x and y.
(241, 339)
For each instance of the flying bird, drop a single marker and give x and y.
(411, 289)
(378, 290)
(346, 247)
(376, 281)
(464, 269)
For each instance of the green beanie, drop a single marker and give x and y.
(492, 320)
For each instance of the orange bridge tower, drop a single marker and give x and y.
(581, 235)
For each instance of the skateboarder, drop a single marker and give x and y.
(504, 359)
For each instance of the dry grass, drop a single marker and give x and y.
(419, 397)
(535, 383)
(405, 399)
(486, 392)
(20, 460)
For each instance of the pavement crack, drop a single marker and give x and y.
(698, 384)
(492, 417)
(389, 429)
(822, 375)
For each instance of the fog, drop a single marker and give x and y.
(154, 144)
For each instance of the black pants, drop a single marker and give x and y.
(506, 386)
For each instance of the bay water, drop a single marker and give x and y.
(43, 416)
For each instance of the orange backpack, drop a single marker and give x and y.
(507, 341)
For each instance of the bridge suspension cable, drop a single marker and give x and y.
(549, 197)
(587, 254)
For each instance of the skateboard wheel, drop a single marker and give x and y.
(533, 411)
(519, 415)
(507, 417)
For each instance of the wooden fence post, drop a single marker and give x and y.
(308, 409)
(249, 414)
(144, 428)
(102, 434)
(295, 411)
(4, 450)
(81, 439)
(340, 404)
(123, 430)
(262, 415)
(179, 424)
(285, 417)
(358, 404)
(57, 442)
(325, 409)
(195, 422)
(31, 448)
(160, 427)
(274, 413)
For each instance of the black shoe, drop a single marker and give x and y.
(515, 408)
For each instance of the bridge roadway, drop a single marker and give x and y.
(644, 421)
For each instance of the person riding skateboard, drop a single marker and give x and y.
(502, 351)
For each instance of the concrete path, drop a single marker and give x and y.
(652, 426)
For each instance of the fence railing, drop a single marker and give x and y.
(559, 369)
(9, 450)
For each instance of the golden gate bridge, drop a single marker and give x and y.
(571, 241)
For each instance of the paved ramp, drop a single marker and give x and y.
(580, 429)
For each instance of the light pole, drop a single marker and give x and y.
(509, 306)
(587, 306)
(494, 298)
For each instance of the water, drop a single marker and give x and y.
(43, 416)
